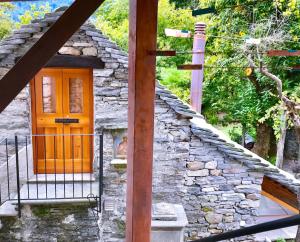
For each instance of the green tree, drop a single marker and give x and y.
(6, 22)
(112, 19)
(34, 13)
(247, 99)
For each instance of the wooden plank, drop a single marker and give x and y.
(189, 67)
(141, 91)
(69, 61)
(48, 45)
(283, 53)
(280, 192)
(203, 11)
(163, 53)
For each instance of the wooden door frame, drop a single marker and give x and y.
(34, 115)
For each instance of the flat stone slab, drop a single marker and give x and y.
(39, 191)
(50, 178)
(8, 209)
(164, 212)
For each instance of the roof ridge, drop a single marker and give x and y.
(210, 134)
(175, 103)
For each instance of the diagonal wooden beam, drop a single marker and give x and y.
(141, 95)
(40, 53)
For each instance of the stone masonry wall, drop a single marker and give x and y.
(51, 223)
(222, 193)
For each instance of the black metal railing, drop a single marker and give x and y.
(51, 167)
(255, 229)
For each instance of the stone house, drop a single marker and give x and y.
(218, 182)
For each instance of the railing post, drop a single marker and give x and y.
(100, 169)
(18, 175)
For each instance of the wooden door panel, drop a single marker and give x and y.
(60, 147)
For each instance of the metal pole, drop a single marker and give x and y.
(198, 59)
(101, 169)
(18, 176)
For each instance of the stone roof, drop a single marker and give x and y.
(22, 39)
(27, 35)
(208, 134)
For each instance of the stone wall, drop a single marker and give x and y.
(222, 193)
(50, 223)
(15, 118)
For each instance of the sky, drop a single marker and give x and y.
(21, 7)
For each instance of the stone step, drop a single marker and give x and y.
(60, 178)
(8, 209)
(80, 191)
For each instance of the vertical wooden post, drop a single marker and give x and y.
(141, 91)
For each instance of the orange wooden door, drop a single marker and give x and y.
(62, 117)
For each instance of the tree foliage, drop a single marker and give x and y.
(247, 99)
(112, 19)
(35, 12)
(6, 22)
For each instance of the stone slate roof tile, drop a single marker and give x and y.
(175, 103)
(208, 133)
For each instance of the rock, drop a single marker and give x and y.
(214, 218)
(69, 51)
(14, 41)
(242, 223)
(253, 196)
(103, 73)
(248, 188)
(203, 172)
(228, 219)
(91, 51)
(215, 172)
(6, 51)
(211, 165)
(208, 189)
(196, 165)
(82, 44)
(233, 196)
(3, 71)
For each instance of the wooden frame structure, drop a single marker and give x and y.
(141, 91)
(142, 40)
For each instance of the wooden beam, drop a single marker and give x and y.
(141, 98)
(203, 11)
(75, 62)
(48, 45)
(189, 67)
(297, 67)
(283, 53)
(69, 61)
(163, 52)
(280, 192)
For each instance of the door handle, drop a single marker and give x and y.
(67, 120)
